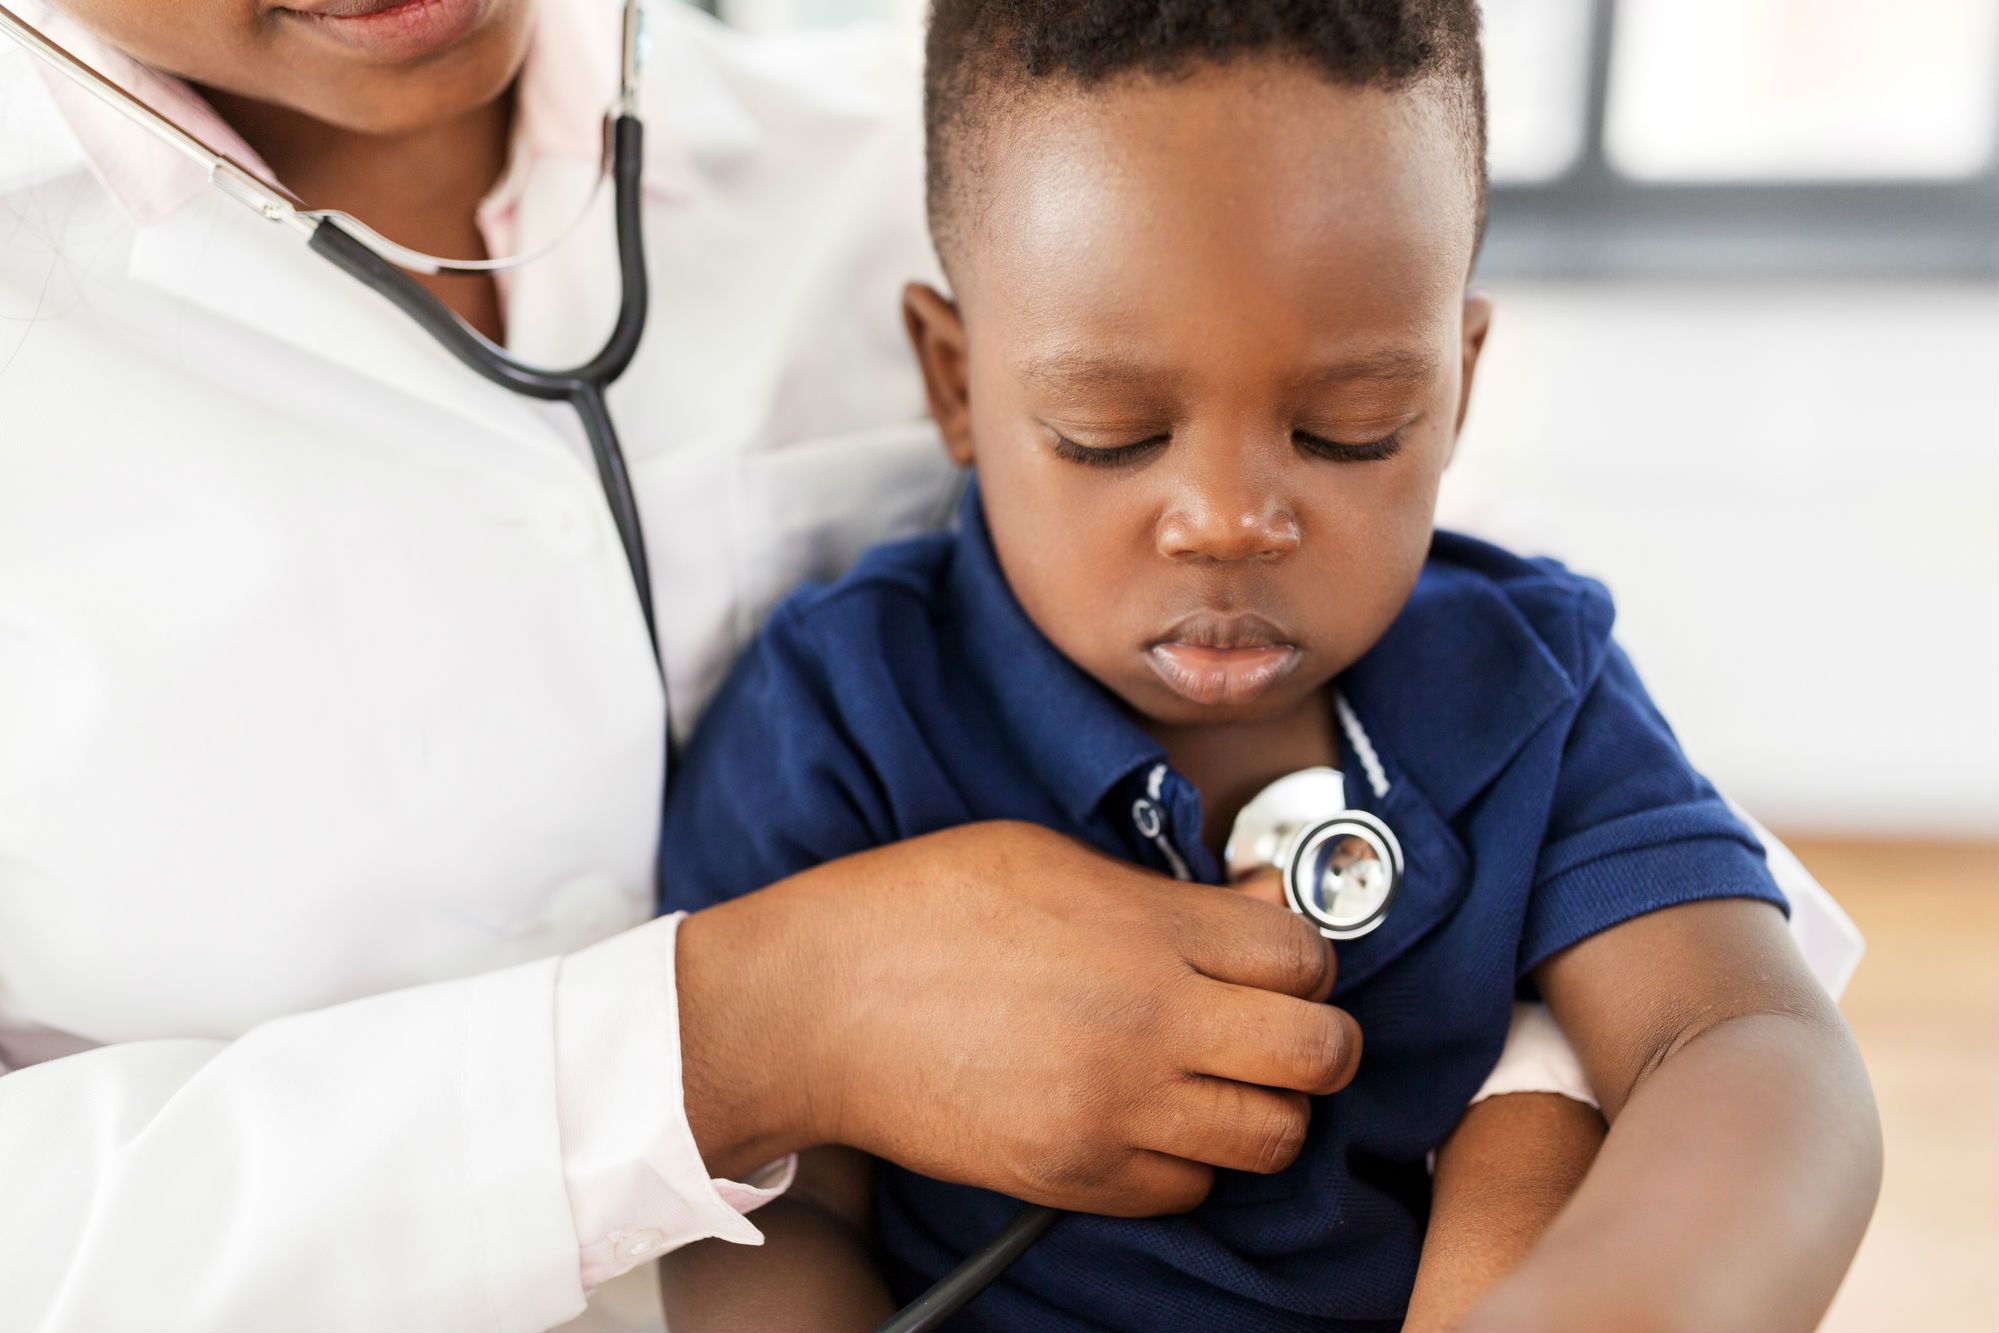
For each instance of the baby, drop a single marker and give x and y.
(1208, 348)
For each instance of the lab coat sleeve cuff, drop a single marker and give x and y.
(1537, 1058)
(637, 1185)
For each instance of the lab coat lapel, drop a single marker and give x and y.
(216, 256)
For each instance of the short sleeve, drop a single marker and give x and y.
(772, 784)
(1632, 828)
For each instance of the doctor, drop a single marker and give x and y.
(330, 742)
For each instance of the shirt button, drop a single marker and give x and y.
(634, 1246)
(564, 524)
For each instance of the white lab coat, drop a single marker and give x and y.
(321, 678)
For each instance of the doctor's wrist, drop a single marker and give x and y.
(749, 1030)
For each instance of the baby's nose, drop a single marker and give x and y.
(1228, 524)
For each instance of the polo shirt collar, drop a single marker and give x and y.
(1462, 680)
(1074, 736)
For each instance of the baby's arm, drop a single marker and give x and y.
(1744, 1152)
(1501, 1177)
(813, 1271)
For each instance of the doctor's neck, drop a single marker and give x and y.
(432, 173)
(397, 113)
(420, 186)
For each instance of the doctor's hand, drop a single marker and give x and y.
(1000, 1006)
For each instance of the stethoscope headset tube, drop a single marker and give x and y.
(583, 387)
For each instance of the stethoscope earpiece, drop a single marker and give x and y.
(1341, 869)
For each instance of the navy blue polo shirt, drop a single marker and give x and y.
(1538, 795)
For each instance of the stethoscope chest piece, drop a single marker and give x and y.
(1342, 867)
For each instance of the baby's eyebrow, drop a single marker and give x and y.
(1076, 371)
(1084, 370)
(1394, 364)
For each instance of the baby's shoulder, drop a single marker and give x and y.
(1473, 594)
(1491, 651)
(894, 591)
(875, 630)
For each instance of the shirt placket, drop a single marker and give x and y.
(1165, 812)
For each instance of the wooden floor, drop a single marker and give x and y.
(1925, 1006)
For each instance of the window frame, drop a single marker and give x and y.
(1593, 221)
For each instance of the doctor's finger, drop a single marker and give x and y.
(1265, 885)
(1235, 938)
(1252, 1036)
(1229, 1125)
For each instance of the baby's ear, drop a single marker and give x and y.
(937, 332)
(1478, 319)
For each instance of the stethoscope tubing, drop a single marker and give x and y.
(583, 387)
(956, 1288)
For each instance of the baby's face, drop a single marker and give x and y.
(1214, 355)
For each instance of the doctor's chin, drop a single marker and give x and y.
(1103, 666)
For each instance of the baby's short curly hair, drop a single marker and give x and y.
(983, 54)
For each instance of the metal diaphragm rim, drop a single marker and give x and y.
(1348, 823)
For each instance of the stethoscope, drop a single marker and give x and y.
(379, 263)
(1341, 866)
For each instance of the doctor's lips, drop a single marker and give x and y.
(1213, 659)
(391, 30)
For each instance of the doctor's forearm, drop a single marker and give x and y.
(1731, 1193)
(405, 1137)
(746, 972)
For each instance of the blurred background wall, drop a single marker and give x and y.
(1745, 368)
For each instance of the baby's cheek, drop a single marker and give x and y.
(1056, 560)
(1364, 573)
(1402, 514)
